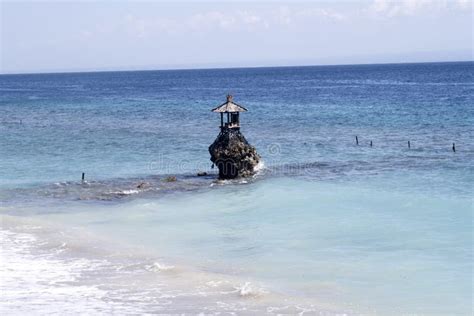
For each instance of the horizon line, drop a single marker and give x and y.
(229, 67)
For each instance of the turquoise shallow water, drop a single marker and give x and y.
(327, 226)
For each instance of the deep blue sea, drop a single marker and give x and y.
(326, 227)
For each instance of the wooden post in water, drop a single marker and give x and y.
(454, 147)
(370, 143)
(409, 145)
(83, 176)
(357, 140)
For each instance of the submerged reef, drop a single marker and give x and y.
(233, 155)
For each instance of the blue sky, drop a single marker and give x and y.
(108, 35)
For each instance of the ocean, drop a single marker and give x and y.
(326, 226)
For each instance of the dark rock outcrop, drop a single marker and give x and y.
(233, 155)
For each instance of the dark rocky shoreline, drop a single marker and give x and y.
(233, 155)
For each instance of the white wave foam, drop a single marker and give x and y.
(214, 283)
(249, 290)
(88, 279)
(259, 169)
(40, 278)
(159, 267)
(126, 192)
(260, 166)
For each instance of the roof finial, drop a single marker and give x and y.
(229, 98)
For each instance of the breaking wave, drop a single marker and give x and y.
(40, 265)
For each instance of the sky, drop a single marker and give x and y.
(58, 36)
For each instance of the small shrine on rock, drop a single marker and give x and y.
(231, 152)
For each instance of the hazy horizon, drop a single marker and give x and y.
(204, 67)
(78, 36)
